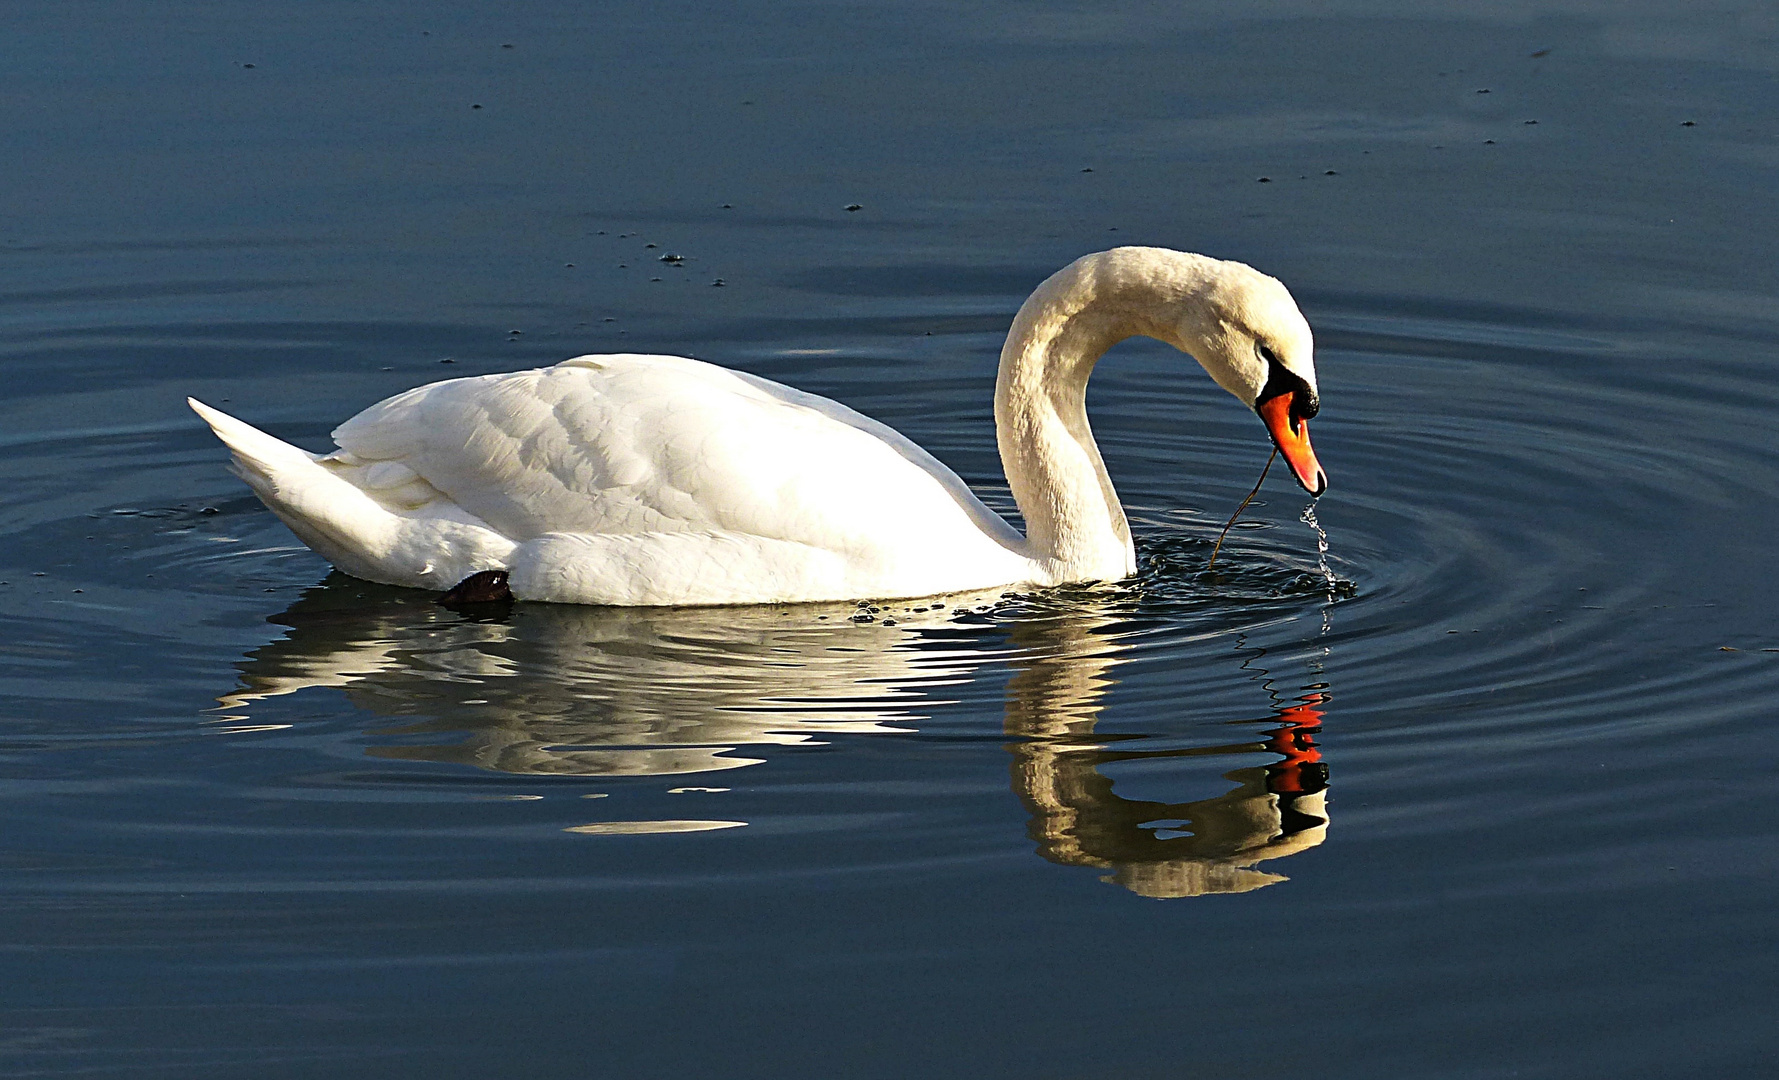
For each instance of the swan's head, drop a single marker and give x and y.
(1246, 331)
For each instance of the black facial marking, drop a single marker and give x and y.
(1304, 403)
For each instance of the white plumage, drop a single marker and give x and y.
(653, 480)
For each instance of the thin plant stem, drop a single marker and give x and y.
(1243, 506)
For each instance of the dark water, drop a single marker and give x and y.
(1487, 798)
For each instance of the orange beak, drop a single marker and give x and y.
(1292, 437)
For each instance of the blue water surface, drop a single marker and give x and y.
(1478, 792)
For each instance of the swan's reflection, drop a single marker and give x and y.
(580, 691)
(1152, 848)
(576, 691)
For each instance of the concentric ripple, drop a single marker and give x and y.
(1473, 579)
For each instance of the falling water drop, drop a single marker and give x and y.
(1309, 518)
(1328, 578)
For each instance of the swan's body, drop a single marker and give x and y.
(654, 480)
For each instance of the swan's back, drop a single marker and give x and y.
(667, 480)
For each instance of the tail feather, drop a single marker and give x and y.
(260, 459)
(431, 547)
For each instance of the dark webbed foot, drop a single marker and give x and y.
(482, 587)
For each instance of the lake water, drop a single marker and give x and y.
(1482, 797)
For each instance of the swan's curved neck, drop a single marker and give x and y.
(1075, 527)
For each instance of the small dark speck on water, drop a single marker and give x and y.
(475, 106)
(608, 320)
(1086, 170)
(886, 622)
(672, 258)
(726, 206)
(654, 279)
(1488, 142)
(1483, 91)
(504, 45)
(1540, 53)
(569, 265)
(1330, 172)
(850, 207)
(36, 573)
(718, 282)
(1264, 180)
(1531, 121)
(246, 65)
(209, 511)
(651, 245)
(1688, 123)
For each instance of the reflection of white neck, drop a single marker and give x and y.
(1075, 527)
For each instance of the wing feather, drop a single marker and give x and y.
(632, 444)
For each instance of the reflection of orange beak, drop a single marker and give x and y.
(1293, 440)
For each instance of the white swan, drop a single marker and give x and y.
(658, 480)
